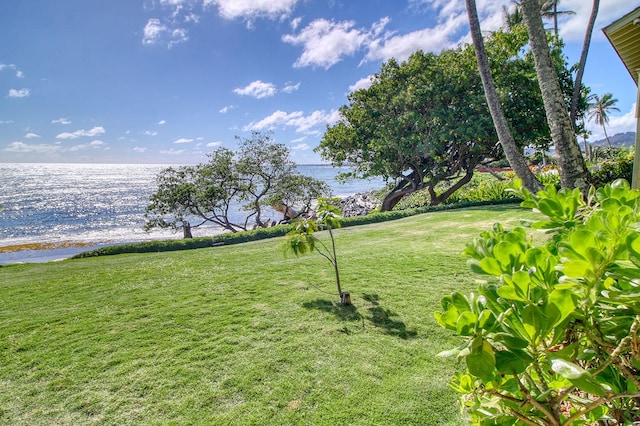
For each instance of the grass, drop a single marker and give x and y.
(241, 335)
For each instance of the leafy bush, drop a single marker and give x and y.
(482, 187)
(620, 167)
(551, 338)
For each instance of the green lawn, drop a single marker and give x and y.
(241, 335)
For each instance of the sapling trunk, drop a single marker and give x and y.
(334, 260)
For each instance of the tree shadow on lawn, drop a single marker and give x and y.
(378, 316)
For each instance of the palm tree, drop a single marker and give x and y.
(511, 151)
(577, 87)
(599, 109)
(573, 169)
(549, 10)
(511, 18)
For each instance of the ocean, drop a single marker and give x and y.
(54, 211)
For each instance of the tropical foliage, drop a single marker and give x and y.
(551, 338)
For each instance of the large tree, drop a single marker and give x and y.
(260, 174)
(512, 152)
(425, 121)
(573, 170)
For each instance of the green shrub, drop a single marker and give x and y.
(551, 338)
(482, 187)
(611, 170)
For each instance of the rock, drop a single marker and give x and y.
(359, 204)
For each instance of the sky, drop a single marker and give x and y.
(167, 81)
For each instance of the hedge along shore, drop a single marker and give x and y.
(276, 231)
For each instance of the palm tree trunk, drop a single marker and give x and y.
(604, 129)
(577, 88)
(511, 151)
(573, 169)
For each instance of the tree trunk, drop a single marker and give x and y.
(438, 199)
(407, 185)
(604, 129)
(186, 229)
(511, 151)
(573, 170)
(577, 88)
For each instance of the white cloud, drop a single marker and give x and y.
(299, 139)
(295, 23)
(161, 122)
(252, 9)
(428, 39)
(183, 140)
(572, 27)
(61, 120)
(617, 124)
(300, 147)
(6, 121)
(275, 119)
(214, 144)
(325, 42)
(156, 32)
(31, 135)
(139, 149)
(80, 133)
(296, 119)
(363, 83)
(21, 147)
(226, 109)
(12, 67)
(258, 89)
(19, 93)
(18, 146)
(290, 88)
(153, 31)
(315, 119)
(172, 151)
(150, 133)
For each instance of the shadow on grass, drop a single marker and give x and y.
(378, 316)
(344, 313)
(382, 318)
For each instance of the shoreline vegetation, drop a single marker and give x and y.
(275, 231)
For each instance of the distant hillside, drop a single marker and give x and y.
(619, 139)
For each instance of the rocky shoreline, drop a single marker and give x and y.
(359, 204)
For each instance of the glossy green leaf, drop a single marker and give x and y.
(466, 323)
(577, 268)
(448, 318)
(460, 302)
(490, 266)
(533, 321)
(511, 341)
(578, 376)
(481, 361)
(508, 362)
(560, 305)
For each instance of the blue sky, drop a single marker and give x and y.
(166, 81)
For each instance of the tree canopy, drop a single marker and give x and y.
(426, 121)
(260, 174)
